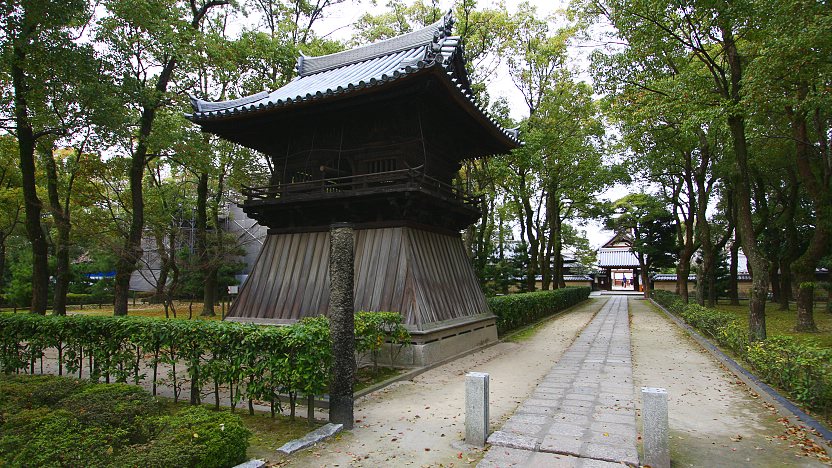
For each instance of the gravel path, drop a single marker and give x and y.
(714, 418)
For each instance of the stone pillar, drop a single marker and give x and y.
(341, 324)
(654, 417)
(476, 408)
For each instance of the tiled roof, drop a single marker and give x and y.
(612, 257)
(577, 278)
(345, 72)
(670, 277)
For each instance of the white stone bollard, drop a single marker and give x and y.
(476, 408)
(655, 431)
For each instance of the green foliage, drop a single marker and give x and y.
(516, 310)
(71, 423)
(803, 370)
(115, 406)
(193, 437)
(47, 437)
(262, 361)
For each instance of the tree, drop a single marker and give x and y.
(38, 54)
(715, 37)
(146, 41)
(650, 223)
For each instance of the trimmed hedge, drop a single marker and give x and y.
(255, 362)
(516, 310)
(803, 370)
(100, 425)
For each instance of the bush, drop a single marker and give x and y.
(803, 371)
(257, 362)
(32, 391)
(45, 437)
(194, 437)
(110, 425)
(516, 310)
(115, 406)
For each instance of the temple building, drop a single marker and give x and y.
(374, 137)
(618, 265)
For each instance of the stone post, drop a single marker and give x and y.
(476, 408)
(654, 417)
(341, 324)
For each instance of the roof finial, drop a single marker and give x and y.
(299, 65)
(448, 21)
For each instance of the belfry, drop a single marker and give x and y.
(374, 137)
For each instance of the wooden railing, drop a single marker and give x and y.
(414, 178)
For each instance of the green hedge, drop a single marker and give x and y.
(84, 424)
(803, 370)
(516, 310)
(255, 362)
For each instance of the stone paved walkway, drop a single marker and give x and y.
(582, 414)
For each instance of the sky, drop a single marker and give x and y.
(338, 25)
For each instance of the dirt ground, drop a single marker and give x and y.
(714, 418)
(421, 422)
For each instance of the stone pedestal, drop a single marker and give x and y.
(655, 432)
(476, 408)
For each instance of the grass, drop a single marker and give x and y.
(267, 433)
(365, 377)
(141, 310)
(781, 322)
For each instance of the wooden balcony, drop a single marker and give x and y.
(381, 198)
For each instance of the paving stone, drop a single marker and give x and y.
(565, 429)
(582, 410)
(580, 396)
(529, 419)
(582, 414)
(622, 418)
(516, 427)
(500, 457)
(571, 418)
(530, 409)
(562, 444)
(612, 453)
(611, 438)
(506, 439)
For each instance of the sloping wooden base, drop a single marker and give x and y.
(424, 275)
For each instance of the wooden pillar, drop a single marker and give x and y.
(635, 279)
(341, 324)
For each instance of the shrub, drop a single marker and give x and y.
(802, 370)
(256, 362)
(32, 391)
(516, 310)
(194, 437)
(115, 406)
(44, 437)
(111, 425)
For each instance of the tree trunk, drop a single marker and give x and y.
(131, 250)
(774, 280)
(63, 225)
(533, 246)
(26, 149)
(2, 265)
(756, 260)
(164, 267)
(733, 271)
(204, 259)
(821, 194)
